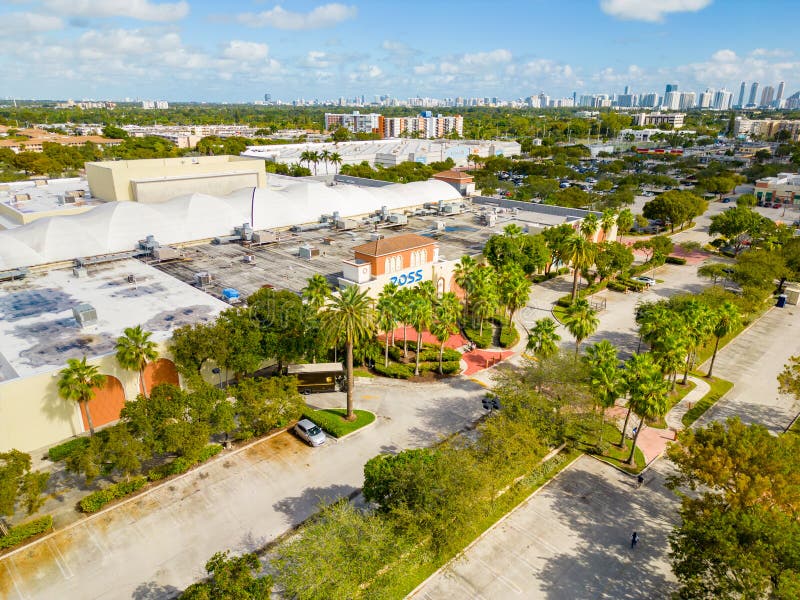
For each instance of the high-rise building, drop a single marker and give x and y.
(672, 100)
(649, 100)
(740, 103)
(751, 101)
(267, 98)
(723, 100)
(767, 95)
(626, 100)
(688, 100)
(627, 90)
(707, 99)
(671, 87)
(779, 95)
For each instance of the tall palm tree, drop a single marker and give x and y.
(606, 378)
(669, 349)
(317, 291)
(386, 315)
(624, 221)
(698, 320)
(589, 226)
(325, 157)
(134, 350)
(336, 160)
(607, 221)
(427, 289)
(485, 299)
(402, 300)
(464, 274)
(515, 289)
(726, 319)
(648, 399)
(581, 321)
(651, 317)
(77, 382)
(421, 315)
(349, 318)
(445, 321)
(581, 253)
(306, 156)
(512, 230)
(543, 339)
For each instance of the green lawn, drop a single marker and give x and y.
(361, 372)
(719, 387)
(332, 420)
(674, 397)
(612, 453)
(559, 312)
(795, 428)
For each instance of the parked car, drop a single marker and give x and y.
(645, 280)
(727, 200)
(310, 432)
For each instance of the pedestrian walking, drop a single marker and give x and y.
(634, 539)
(639, 481)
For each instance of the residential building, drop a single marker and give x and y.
(671, 87)
(722, 100)
(649, 100)
(740, 103)
(767, 96)
(751, 101)
(765, 128)
(779, 95)
(688, 100)
(784, 188)
(354, 123)
(706, 99)
(425, 125)
(657, 118)
(672, 100)
(34, 140)
(627, 100)
(155, 104)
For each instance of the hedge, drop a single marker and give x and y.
(183, 464)
(616, 286)
(334, 424)
(675, 260)
(97, 500)
(406, 371)
(25, 531)
(433, 355)
(480, 340)
(62, 451)
(508, 332)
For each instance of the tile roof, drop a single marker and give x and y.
(453, 175)
(391, 245)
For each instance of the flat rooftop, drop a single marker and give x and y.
(23, 201)
(279, 265)
(38, 332)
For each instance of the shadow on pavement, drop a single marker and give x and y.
(154, 591)
(299, 507)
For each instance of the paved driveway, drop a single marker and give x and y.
(158, 543)
(571, 540)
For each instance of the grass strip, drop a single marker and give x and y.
(719, 387)
(332, 420)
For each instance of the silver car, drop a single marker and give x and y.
(310, 432)
(648, 281)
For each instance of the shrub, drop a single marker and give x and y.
(508, 332)
(97, 500)
(433, 355)
(395, 352)
(398, 371)
(565, 301)
(675, 260)
(451, 368)
(474, 334)
(182, 463)
(208, 452)
(617, 286)
(332, 420)
(62, 451)
(25, 531)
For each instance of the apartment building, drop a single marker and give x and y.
(765, 128)
(656, 119)
(424, 125)
(354, 123)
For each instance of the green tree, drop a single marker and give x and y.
(555, 237)
(403, 301)
(515, 289)
(78, 382)
(193, 345)
(231, 578)
(648, 399)
(484, 296)
(19, 483)
(624, 221)
(581, 321)
(421, 317)
(725, 320)
(714, 271)
(263, 405)
(243, 341)
(581, 253)
(349, 318)
(612, 258)
(606, 377)
(748, 200)
(737, 225)
(317, 291)
(386, 315)
(464, 274)
(543, 339)
(589, 226)
(445, 322)
(134, 350)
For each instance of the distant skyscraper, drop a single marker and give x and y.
(671, 87)
(627, 90)
(751, 101)
(267, 97)
(672, 100)
(767, 95)
(687, 100)
(740, 103)
(779, 95)
(723, 100)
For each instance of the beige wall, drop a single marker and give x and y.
(161, 190)
(430, 272)
(24, 218)
(112, 180)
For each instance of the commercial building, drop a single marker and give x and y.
(463, 182)
(765, 129)
(657, 118)
(23, 202)
(33, 140)
(159, 179)
(784, 188)
(155, 104)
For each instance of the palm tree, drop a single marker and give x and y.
(464, 274)
(589, 226)
(445, 322)
(543, 339)
(386, 310)
(512, 230)
(77, 382)
(134, 350)
(581, 321)
(648, 399)
(606, 379)
(427, 290)
(485, 300)
(316, 292)
(581, 253)
(638, 369)
(402, 300)
(421, 315)
(698, 320)
(726, 319)
(349, 318)
(607, 221)
(325, 156)
(515, 289)
(336, 159)
(651, 318)
(306, 156)
(670, 347)
(624, 221)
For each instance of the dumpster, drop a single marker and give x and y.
(781, 301)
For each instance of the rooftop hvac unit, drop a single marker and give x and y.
(249, 258)
(263, 237)
(245, 232)
(308, 252)
(374, 237)
(203, 278)
(398, 219)
(84, 314)
(80, 271)
(149, 243)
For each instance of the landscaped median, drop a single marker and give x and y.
(25, 532)
(332, 420)
(719, 387)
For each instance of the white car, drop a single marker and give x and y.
(310, 432)
(648, 281)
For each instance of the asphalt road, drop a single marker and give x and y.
(157, 544)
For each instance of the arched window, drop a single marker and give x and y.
(398, 262)
(387, 266)
(423, 256)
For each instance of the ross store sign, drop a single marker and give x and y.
(407, 278)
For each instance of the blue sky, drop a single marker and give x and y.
(237, 50)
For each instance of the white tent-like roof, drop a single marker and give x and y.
(118, 226)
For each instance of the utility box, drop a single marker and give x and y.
(85, 314)
(80, 272)
(308, 252)
(398, 219)
(202, 279)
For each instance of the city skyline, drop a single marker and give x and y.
(182, 51)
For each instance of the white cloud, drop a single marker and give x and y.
(724, 56)
(652, 11)
(482, 59)
(143, 10)
(317, 59)
(246, 51)
(321, 17)
(26, 22)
